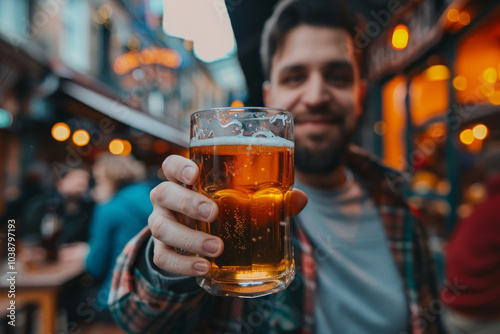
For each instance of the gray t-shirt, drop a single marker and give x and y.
(358, 287)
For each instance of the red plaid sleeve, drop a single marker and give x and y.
(139, 307)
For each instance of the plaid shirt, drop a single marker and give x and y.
(139, 307)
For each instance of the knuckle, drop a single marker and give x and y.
(157, 258)
(184, 204)
(162, 192)
(174, 265)
(187, 242)
(155, 225)
(152, 195)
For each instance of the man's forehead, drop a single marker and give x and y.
(307, 42)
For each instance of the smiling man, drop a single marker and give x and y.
(361, 258)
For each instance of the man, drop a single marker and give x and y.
(69, 200)
(351, 276)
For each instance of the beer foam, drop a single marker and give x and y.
(241, 140)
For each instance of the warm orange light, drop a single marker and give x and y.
(437, 130)
(81, 138)
(460, 83)
(453, 15)
(134, 43)
(400, 37)
(495, 98)
(464, 18)
(60, 131)
(480, 131)
(490, 75)
(467, 136)
(395, 120)
(237, 104)
(487, 89)
(160, 146)
(151, 56)
(116, 146)
(127, 147)
(437, 72)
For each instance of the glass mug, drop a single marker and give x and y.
(245, 156)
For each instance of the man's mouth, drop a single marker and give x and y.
(317, 120)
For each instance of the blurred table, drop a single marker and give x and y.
(40, 284)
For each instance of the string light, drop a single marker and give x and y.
(60, 131)
(400, 37)
(116, 147)
(467, 136)
(81, 137)
(480, 131)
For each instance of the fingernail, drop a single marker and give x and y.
(211, 246)
(187, 173)
(204, 210)
(201, 267)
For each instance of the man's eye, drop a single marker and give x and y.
(340, 79)
(293, 79)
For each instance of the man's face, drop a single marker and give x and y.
(314, 75)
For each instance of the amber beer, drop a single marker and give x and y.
(250, 179)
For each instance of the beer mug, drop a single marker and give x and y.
(245, 156)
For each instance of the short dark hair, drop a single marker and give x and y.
(289, 14)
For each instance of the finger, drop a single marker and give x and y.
(167, 259)
(174, 197)
(298, 201)
(174, 234)
(180, 169)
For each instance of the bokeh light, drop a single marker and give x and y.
(453, 15)
(237, 104)
(127, 147)
(467, 136)
(379, 128)
(81, 137)
(116, 146)
(437, 72)
(480, 131)
(460, 83)
(490, 75)
(400, 37)
(464, 18)
(60, 131)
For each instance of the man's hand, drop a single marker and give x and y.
(171, 204)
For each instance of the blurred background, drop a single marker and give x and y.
(83, 78)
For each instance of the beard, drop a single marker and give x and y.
(321, 160)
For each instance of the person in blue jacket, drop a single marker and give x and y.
(122, 211)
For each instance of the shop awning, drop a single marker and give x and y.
(124, 114)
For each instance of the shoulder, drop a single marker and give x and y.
(133, 190)
(132, 196)
(379, 178)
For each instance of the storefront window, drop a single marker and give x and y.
(75, 44)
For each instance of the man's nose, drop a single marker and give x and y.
(316, 91)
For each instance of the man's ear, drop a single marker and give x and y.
(266, 93)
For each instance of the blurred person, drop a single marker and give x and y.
(362, 260)
(122, 211)
(472, 291)
(69, 200)
(31, 186)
